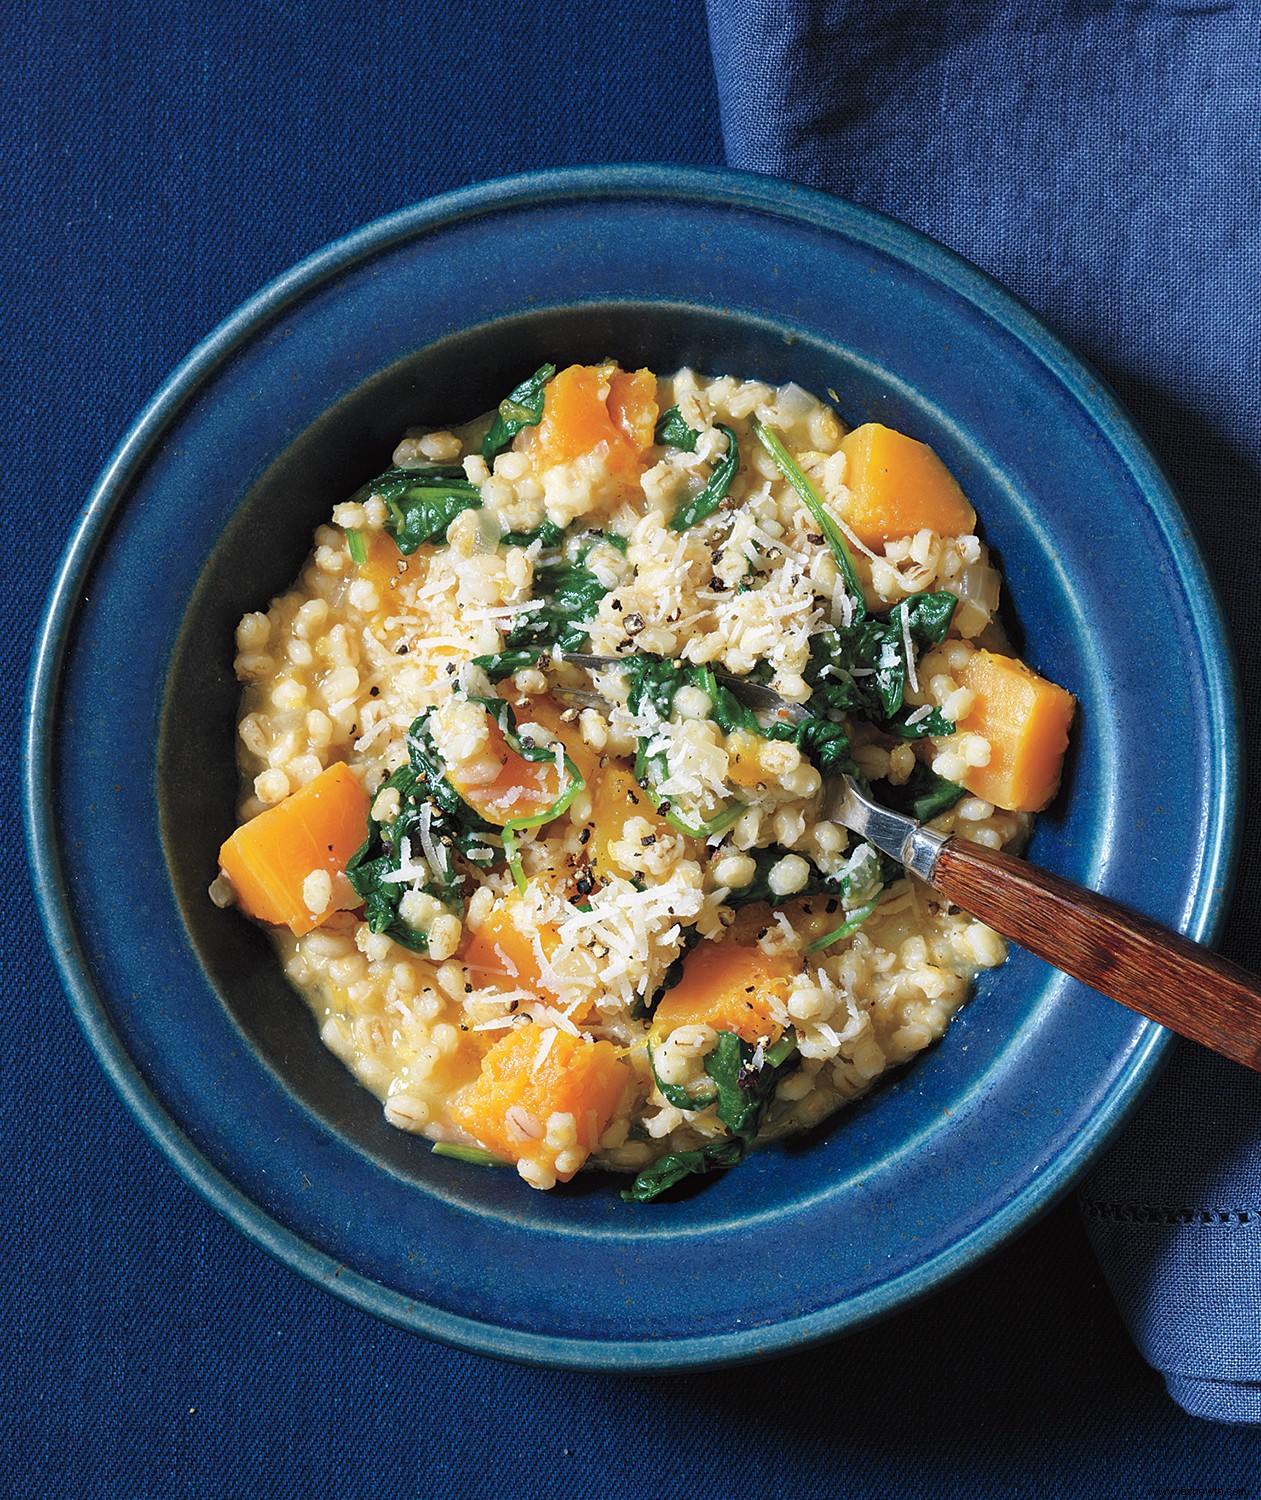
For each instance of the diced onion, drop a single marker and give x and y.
(978, 590)
(979, 585)
(794, 403)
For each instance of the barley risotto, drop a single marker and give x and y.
(565, 915)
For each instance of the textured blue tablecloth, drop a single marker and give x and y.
(161, 163)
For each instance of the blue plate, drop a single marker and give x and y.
(206, 510)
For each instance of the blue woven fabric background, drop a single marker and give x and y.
(161, 163)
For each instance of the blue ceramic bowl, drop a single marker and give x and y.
(206, 510)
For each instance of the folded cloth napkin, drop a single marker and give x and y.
(1099, 158)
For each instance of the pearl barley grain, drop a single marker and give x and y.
(788, 875)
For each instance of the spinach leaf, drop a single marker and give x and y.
(676, 1094)
(929, 616)
(378, 857)
(848, 927)
(850, 884)
(674, 432)
(546, 532)
(421, 503)
(826, 741)
(429, 806)
(528, 749)
(743, 1091)
(568, 594)
(521, 407)
(656, 680)
(572, 595)
(674, 1166)
(813, 501)
(552, 536)
(908, 725)
(503, 664)
(430, 770)
(923, 795)
(472, 1154)
(719, 823)
(863, 667)
(707, 502)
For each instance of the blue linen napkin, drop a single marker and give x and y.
(1099, 158)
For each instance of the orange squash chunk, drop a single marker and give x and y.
(632, 403)
(528, 1076)
(269, 858)
(522, 789)
(727, 985)
(386, 566)
(615, 794)
(509, 951)
(898, 486)
(583, 408)
(382, 567)
(744, 766)
(617, 798)
(1026, 720)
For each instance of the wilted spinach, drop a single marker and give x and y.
(863, 667)
(655, 681)
(429, 802)
(421, 503)
(850, 885)
(529, 750)
(568, 595)
(674, 1166)
(521, 407)
(546, 532)
(425, 796)
(923, 795)
(826, 741)
(742, 1090)
(813, 501)
(715, 492)
(673, 431)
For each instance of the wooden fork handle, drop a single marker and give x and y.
(1158, 973)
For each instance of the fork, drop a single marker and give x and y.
(1118, 952)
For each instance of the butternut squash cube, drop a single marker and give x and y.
(898, 486)
(510, 950)
(1026, 720)
(618, 798)
(522, 789)
(315, 829)
(546, 711)
(530, 1075)
(585, 407)
(632, 403)
(727, 985)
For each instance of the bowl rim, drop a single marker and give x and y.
(772, 197)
